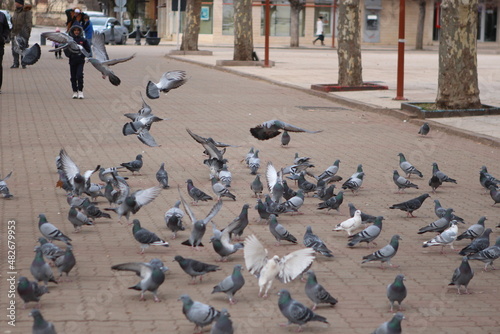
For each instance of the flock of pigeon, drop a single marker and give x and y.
(275, 198)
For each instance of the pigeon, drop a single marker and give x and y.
(407, 167)
(356, 174)
(351, 224)
(222, 243)
(100, 59)
(396, 291)
(274, 182)
(325, 194)
(146, 238)
(202, 140)
(152, 275)
(92, 211)
(332, 203)
(195, 268)
(478, 244)
(365, 218)
(220, 190)
(78, 219)
(29, 55)
(40, 269)
(40, 325)
(65, 41)
(132, 203)
(285, 138)
(199, 225)
(49, 250)
(330, 172)
(279, 231)
(256, 186)
(298, 160)
(487, 255)
(162, 176)
(79, 182)
(305, 185)
(369, 234)
(196, 194)
(401, 182)
(392, 326)
(210, 146)
(473, 231)
(442, 176)
(222, 325)
(424, 129)
(354, 183)
(271, 129)
(316, 292)
(225, 176)
(434, 183)
(65, 262)
(141, 125)
(51, 232)
(231, 284)
(173, 219)
(439, 225)
(249, 155)
(311, 240)
(268, 268)
(440, 212)
(296, 312)
(254, 163)
(288, 192)
(238, 225)
(411, 205)
(4, 190)
(198, 313)
(494, 194)
(30, 291)
(386, 253)
(293, 204)
(462, 275)
(487, 180)
(168, 81)
(134, 165)
(447, 237)
(262, 210)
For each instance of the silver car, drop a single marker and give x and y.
(103, 25)
(9, 21)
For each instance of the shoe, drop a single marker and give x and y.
(80, 95)
(14, 66)
(24, 66)
(75, 95)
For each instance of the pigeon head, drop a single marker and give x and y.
(178, 258)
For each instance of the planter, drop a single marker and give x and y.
(418, 109)
(153, 40)
(337, 88)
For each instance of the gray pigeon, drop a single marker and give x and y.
(494, 193)
(238, 225)
(333, 202)
(440, 175)
(254, 163)
(369, 234)
(365, 218)
(407, 167)
(478, 244)
(231, 284)
(222, 325)
(173, 219)
(29, 55)
(132, 203)
(30, 291)
(195, 268)
(168, 81)
(305, 185)
(65, 41)
(434, 183)
(279, 231)
(330, 172)
(296, 312)
(196, 194)
(487, 255)
(439, 225)
(447, 237)
(354, 183)
(396, 291)
(198, 313)
(134, 165)
(440, 212)
(424, 129)
(386, 253)
(40, 269)
(146, 238)
(40, 325)
(65, 262)
(316, 292)
(313, 241)
(220, 190)
(92, 211)
(256, 186)
(4, 190)
(274, 180)
(271, 129)
(78, 219)
(51, 232)
(401, 182)
(285, 138)
(141, 124)
(162, 176)
(410, 205)
(462, 275)
(78, 182)
(49, 250)
(473, 231)
(152, 275)
(392, 326)
(222, 243)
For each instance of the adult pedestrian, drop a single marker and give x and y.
(88, 28)
(73, 16)
(77, 61)
(319, 31)
(4, 35)
(22, 22)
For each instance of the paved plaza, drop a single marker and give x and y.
(38, 118)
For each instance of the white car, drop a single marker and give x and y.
(7, 15)
(103, 25)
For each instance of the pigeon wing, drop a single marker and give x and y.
(293, 128)
(57, 37)
(271, 176)
(255, 255)
(115, 61)
(146, 138)
(141, 269)
(187, 208)
(68, 165)
(215, 209)
(293, 264)
(146, 196)
(99, 47)
(32, 54)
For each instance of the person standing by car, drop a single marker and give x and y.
(4, 35)
(22, 22)
(77, 61)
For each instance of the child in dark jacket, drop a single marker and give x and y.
(77, 61)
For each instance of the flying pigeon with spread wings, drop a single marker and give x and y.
(271, 129)
(169, 80)
(65, 41)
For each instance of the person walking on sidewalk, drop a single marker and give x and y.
(319, 31)
(22, 22)
(4, 35)
(77, 61)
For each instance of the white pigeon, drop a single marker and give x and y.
(350, 224)
(168, 81)
(274, 182)
(446, 238)
(268, 268)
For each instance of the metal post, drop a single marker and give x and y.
(112, 34)
(267, 30)
(333, 22)
(138, 35)
(178, 22)
(401, 53)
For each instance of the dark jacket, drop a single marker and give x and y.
(4, 29)
(77, 58)
(22, 22)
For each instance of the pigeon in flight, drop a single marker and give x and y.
(141, 124)
(271, 129)
(169, 80)
(29, 55)
(65, 41)
(4, 190)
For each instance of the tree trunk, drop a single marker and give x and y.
(295, 7)
(191, 26)
(419, 44)
(243, 37)
(349, 49)
(457, 80)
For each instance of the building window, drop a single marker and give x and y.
(228, 17)
(323, 8)
(280, 19)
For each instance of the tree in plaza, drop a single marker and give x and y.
(457, 78)
(191, 26)
(349, 48)
(243, 31)
(419, 44)
(295, 7)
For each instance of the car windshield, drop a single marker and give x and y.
(99, 21)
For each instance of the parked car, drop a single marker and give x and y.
(95, 13)
(103, 25)
(9, 20)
